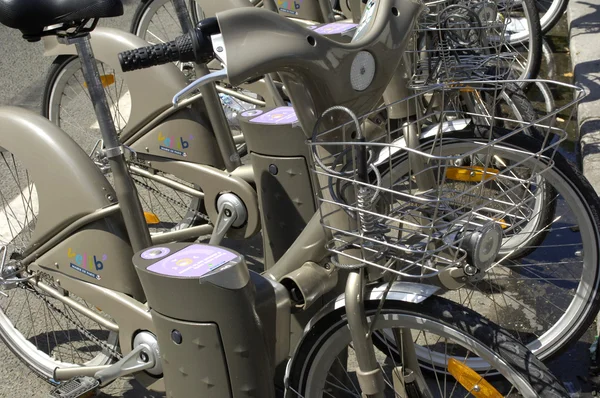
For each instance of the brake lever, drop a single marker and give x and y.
(211, 77)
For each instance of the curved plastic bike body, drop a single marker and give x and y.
(66, 186)
(187, 132)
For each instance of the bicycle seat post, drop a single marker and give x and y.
(131, 208)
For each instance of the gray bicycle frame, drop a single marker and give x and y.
(153, 117)
(118, 292)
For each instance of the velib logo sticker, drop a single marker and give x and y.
(175, 145)
(289, 6)
(89, 265)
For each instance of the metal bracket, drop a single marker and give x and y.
(113, 152)
(139, 359)
(219, 46)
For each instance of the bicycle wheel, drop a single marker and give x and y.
(547, 295)
(509, 104)
(156, 20)
(523, 36)
(459, 42)
(551, 11)
(66, 102)
(325, 366)
(40, 330)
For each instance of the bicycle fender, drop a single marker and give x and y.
(399, 144)
(151, 92)
(210, 8)
(402, 291)
(67, 183)
(151, 89)
(408, 292)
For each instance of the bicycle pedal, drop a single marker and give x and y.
(78, 387)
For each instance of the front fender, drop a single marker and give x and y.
(151, 89)
(402, 291)
(408, 292)
(399, 143)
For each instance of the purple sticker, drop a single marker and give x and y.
(254, 112)
(155, 252)
(333, 28)
(193, 261)
(281, 115)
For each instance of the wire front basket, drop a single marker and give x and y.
(442, 186)
(462, 40)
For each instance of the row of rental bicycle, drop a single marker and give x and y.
(299, 198)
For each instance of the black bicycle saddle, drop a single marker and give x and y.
(32, 16)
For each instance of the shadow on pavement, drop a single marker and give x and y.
(590, 22)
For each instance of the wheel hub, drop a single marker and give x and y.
(482, 246)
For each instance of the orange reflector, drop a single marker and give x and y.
(107, 80)
(503, 224)
(466, 89)
(471, 174)
(151, 218)
(471, 380)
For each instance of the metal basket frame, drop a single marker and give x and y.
(457, 40)
(425, 232)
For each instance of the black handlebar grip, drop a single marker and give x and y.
(179, 50)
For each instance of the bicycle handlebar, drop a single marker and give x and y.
(194, 46)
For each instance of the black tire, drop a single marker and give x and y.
(535, 39)
(524, 110)
(439, 310)
(137, 16)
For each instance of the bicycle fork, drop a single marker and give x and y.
(407, 382)
(369, 374)
(370, 377)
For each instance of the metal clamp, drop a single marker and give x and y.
(211, 77)
(113, 152)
